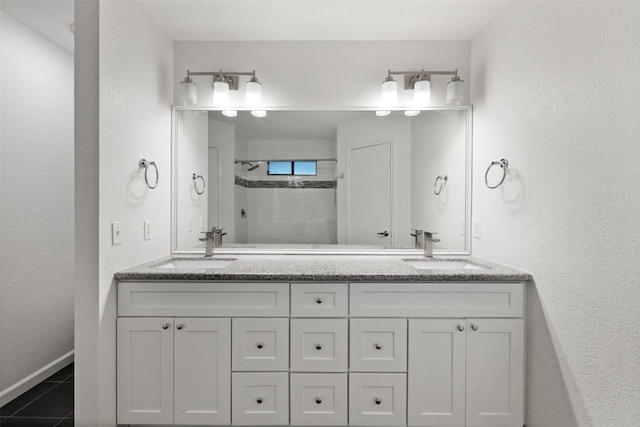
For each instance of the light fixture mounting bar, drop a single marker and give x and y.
(411, 77)
(230, 77)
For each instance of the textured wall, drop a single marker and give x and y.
(37, 202)
(135, 87)
(556, 92)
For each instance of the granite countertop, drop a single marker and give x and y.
(322, 268)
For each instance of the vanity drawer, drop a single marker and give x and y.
(319, 345)
(260, 344)
(378, 345)
(319, 300)
(318, 399)
(210, 299)
(448, 299)
(260, 398)
(377, 399)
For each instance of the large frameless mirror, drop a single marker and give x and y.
(322, 180)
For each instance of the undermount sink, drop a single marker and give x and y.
(443, 265)
(197, 263)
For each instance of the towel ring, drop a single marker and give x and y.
(439, 183)
(145, 164)
(195, 183)
(503, 163)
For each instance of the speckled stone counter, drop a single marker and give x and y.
(322, 268)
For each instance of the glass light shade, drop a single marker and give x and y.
(455, 92)
(254, 93)
(422, 93)
(389, 92)
(220, 93)
(229, 113)
(188, 92)
(411, 113)
(259, 113)
(382, 113)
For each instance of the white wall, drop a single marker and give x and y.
(37, 219)
(192, 157)
(320, 74)
(556, 92)
(397, 129)
(291, 215)
(438, 147)
(135, 88)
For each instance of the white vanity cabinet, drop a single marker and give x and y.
(321, 354)
(173, 370)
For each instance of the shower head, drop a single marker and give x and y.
(251, 167)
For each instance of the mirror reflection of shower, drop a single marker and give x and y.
(251, 167)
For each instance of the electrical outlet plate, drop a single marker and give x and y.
(116, 233)
(147, 230)
(462, 230)
(190, 229)
(477, 230)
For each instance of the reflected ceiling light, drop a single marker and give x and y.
(188, 91)
(223, 83)
(455, 91)
(258, 113)
(382, 113)
(420, 83)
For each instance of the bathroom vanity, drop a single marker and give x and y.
(321, 340)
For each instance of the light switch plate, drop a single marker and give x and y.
(201, 222)
(462, 230)
(116, 233)
(147, 230)
(477, 229)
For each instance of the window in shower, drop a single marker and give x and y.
(293, 167)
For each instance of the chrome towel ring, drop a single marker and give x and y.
(503, 163)
(195, 184)
(439, 184)
(145, 164)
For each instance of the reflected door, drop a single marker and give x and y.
(369, 217)
(213, 215)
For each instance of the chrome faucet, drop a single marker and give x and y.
(418, 238)
(212, 239)
(428, 243)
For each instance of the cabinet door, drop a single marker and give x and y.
(495, 372)
(202, 371)
(436, 377)
(145, 370)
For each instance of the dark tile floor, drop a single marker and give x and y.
(49, 404)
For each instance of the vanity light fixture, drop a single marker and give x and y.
(223, 83)
(420, 83)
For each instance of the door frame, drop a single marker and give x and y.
(392, 213)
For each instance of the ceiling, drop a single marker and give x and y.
(49, 18)
(321, 20)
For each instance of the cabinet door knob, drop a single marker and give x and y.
(318, 300)
(378, 401)
(318, 400)
(180, 326)
(318, 347)
(474, 327)
(378, 346)
(460, 328)
(259, 400)
(260, 345)
(165, 326)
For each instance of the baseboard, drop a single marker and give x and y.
(34, 379)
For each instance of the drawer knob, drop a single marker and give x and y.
(318, 400)
(180, 326)
(378, 346)
(165, 326)
(378, 401)
(460, 328)
(259, 400)
(318, 347)
(260, 345)
(318, 300)
(474, 327)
